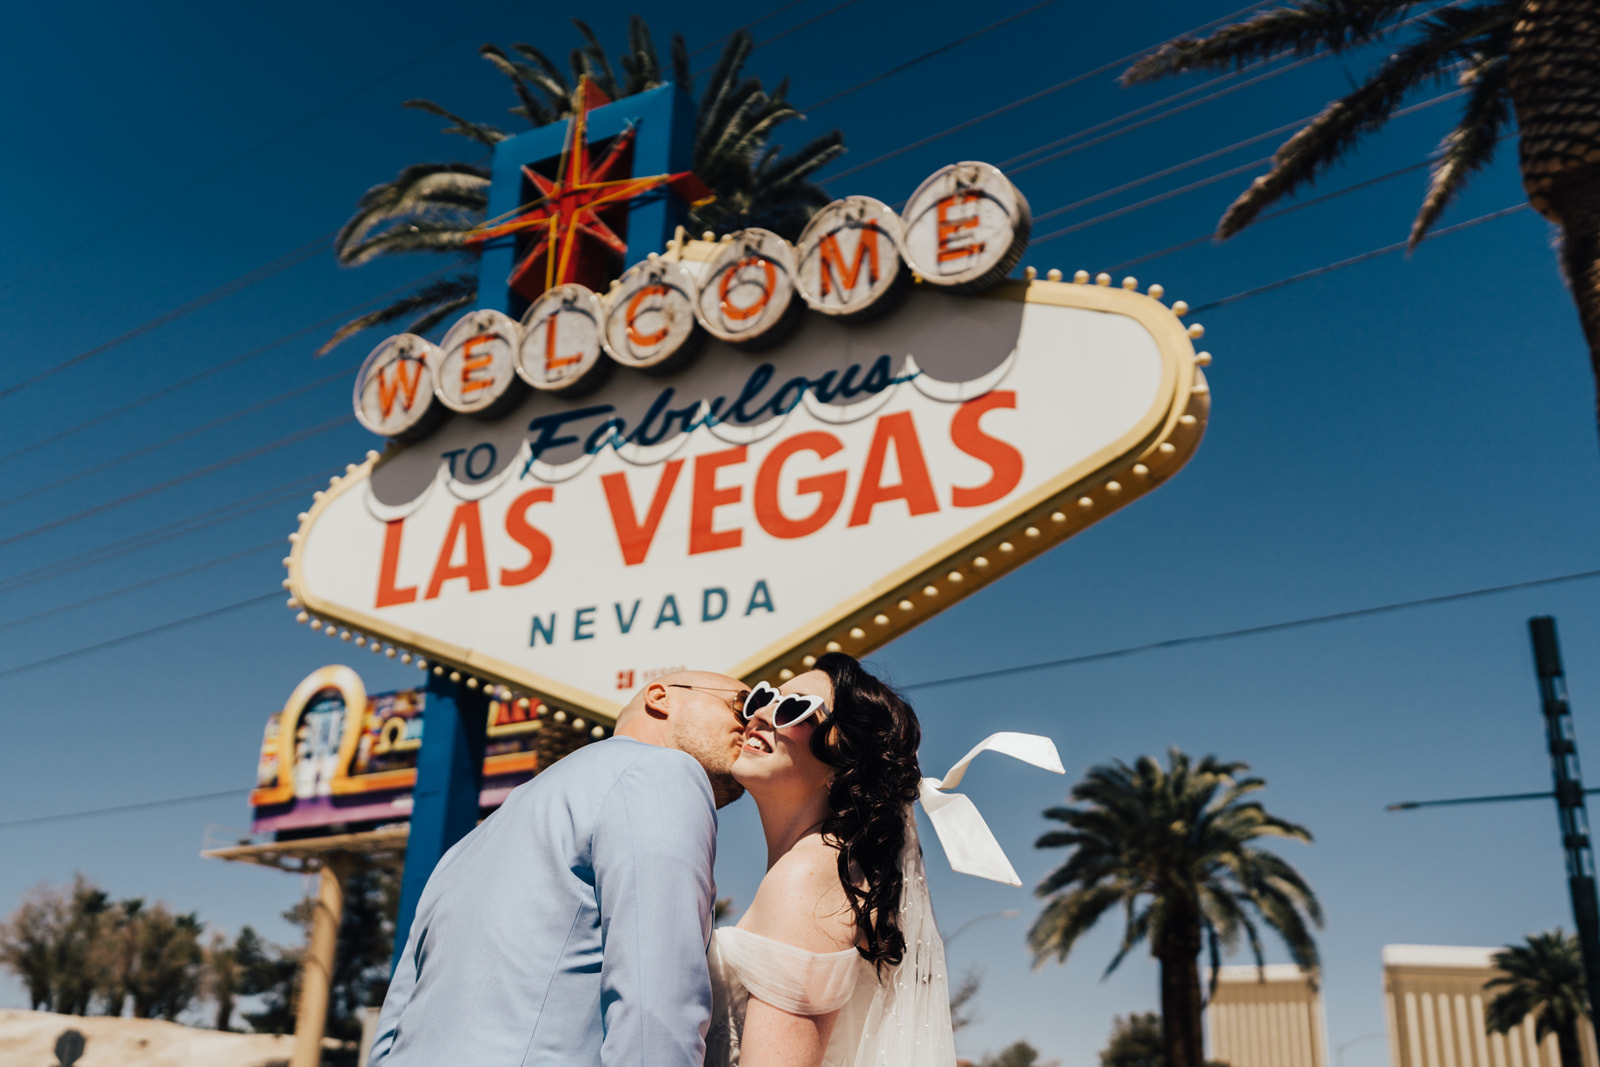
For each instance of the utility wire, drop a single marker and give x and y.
(166, 390)
(212, 468)
(1151, 201)
(320, 324)
(1329, 268)
(774, 13)
(796, 28)
(221, 292)
(342, 375)
(1076, 79)
(145, 805)
(162, 534)
(149, 631)
(813, 20)
(1232, 172)
(276, 542)
(1178, 109)
(1250, 631)
(129, 216)
(1005, 672)
(1210, 235)
(924, 57)
(1016, 165)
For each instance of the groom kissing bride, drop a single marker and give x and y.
(573, 927)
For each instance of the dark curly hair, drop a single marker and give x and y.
(871, 736)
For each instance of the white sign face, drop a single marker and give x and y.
(967, 225)
(561, 334)
(753, 511)
(649, 316)
(848, 256)
(394, 388)
(749, 287)
(477, 362)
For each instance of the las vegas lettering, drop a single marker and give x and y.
(892, 472)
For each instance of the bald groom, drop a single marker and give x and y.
(570, 928)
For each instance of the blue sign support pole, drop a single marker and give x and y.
(455, 718)
(449, 779)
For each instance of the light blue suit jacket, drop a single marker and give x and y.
(570, 928)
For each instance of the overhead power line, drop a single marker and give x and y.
(211, 468)
(812, 21)
(1329, 268)
(115, 809)
(1250, 631)
(137, 635)
(976, 676)
(900, 68)
(128, 216)
(1231, 172)
(1011, 167)
(1076, 79)
(254, 550)
(162, 534)
(341, 376)
(221, 292)
(774, 13)
(1210, 235)
(261, 350)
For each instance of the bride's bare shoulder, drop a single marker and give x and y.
(801, 903)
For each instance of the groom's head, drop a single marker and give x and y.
(695, 712)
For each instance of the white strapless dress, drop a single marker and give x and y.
(790, 979)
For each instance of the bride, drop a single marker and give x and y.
(838, 962)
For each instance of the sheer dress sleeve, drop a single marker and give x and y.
(788, 978)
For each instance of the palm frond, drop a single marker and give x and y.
(536, 111)
(423, 188)
(427, 321)
(545, 74)
(1469, 147)
(1303, 28)
(435, 207)
(1065, 919)
(1331, 134)
(423, 235)
(444, 291)
(645, 72)
(482, 133)
(591, 60)
(681, 72)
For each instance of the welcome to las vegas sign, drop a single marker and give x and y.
(746, 453)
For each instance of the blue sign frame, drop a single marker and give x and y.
(664, 118)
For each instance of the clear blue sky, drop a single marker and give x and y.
(1404, 428)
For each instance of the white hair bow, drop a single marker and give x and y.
(968, 843)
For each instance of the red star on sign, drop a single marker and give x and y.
(573, 238)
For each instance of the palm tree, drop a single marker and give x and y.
(435, 207)
(1544, 978)
(1173, 848)
(1535, 58)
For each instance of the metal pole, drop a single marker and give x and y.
(444, 807)
(316, 971)
(1569, 796)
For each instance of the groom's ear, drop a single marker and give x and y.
(657, 700)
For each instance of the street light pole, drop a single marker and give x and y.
(1569, 792)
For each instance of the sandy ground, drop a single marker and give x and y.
(28, 1039)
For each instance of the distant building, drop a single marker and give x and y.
(1434, 999)
(1267, 1017)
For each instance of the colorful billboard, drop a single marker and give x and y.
(337, 759)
